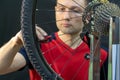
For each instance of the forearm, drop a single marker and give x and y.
(8, 52)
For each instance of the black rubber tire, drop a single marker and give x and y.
(31, 43)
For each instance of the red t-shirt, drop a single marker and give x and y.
(69, 63)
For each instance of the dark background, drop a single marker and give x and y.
(10, 25)
(10, 11)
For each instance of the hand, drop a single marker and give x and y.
(18, 38)
(41, 34)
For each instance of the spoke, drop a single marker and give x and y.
(68, 61)
(78, 4)
(52, 10)
(81, 65)
(60, 44)
(68, 7)
(54, 21)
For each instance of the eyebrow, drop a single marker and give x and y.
(59, 4)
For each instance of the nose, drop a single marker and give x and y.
(66, 15)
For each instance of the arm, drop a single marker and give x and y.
(9, 60)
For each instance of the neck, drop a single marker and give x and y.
(72, 40)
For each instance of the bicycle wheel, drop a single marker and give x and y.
(28, 23)
(34, 52)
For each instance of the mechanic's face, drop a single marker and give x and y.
(69, 16)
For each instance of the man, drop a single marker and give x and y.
(68, 56)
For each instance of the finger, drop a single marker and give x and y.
(19, 38)
(19, 35)
(41, 31)
(39, 35)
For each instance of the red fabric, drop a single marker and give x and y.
(33, 75)
(69, 63)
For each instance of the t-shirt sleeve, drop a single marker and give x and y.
(23, 52)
